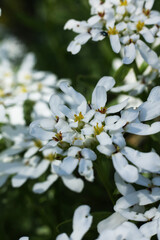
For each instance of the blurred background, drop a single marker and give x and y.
(39, 25)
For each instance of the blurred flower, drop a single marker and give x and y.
(124, 22)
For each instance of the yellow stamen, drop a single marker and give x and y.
(78, 118)
(7, 74)
(40, 85)
(123, 3)
(139, 26)
(58, 137)
(23, 89)
(28, 77)
(112, 31)
(38, 143)
(2, 94)
(51, 157)
(98, 130)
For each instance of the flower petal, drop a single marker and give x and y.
(128, 172)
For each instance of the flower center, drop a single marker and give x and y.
(23, 89)
(112, 31)
(98, 130)
(40, 86)
(58, 137)
(78, 118)
(139, 26)
(146, 12)
(123, 2)
(51, 157)
(101, 14)
(38, 144)
(2, 94)
(28, 77)
(102, 110)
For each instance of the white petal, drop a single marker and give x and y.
(154, 94)
(99, 98)
(106, 82)
(119, 139)
(115, 43)
(93, 20)
(62, 236)
(149, 55)
(41, 129)
(149, 229)
(128, 172)
(74, 47)
(86, 169)
(31, 151)
(43, 186)
(82, 221)
(111, 222)
(68, 165)
(147, 161)
(73, 183)
(123, 188)
(146, 33)
(18, 180)
(24, 238)
(104, 139)
(106, 150)
(118, 107)
(88, 154)
(129, 114)
(143, 129)
(149, 110)
(54, 103)
(40, 169)
(83, 38)
(129, 53)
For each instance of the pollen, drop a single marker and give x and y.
(2, 94)
(40, 86)
(38, 144)
(139, 26)
(51, 157)
(112, 31)
(146, 12)
(7, 74)
(123, 3)
(102, 110)
(28, 77)
(23, 89)
(98, 130)
(58, 137)
(78, 118)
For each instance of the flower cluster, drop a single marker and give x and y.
(129, 25)
(67, 138)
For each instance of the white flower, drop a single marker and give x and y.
(79, 157)
(82, 221)
(116, 227)
(124, 22)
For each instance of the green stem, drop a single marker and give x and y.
(104, 178)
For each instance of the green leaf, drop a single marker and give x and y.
(121, 73)
(27, 110)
